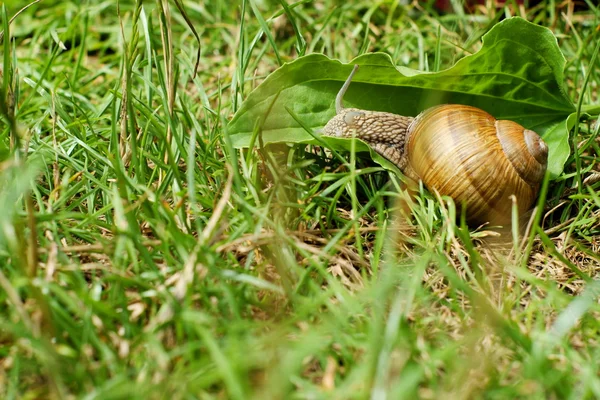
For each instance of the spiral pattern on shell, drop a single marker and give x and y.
(465, 153)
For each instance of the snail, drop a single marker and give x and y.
(457, 150)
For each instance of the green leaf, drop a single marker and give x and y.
(517, 75)
(556, 137)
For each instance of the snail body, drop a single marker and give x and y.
(456, 150)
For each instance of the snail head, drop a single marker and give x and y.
(344, 122)
(374, 127)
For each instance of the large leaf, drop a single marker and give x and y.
(517, 74)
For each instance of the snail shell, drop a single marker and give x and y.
(465, 153)
(459, 151)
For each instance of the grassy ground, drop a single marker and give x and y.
(142, 257)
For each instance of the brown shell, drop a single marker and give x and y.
(465, 153)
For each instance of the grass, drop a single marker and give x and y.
(143, 257)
